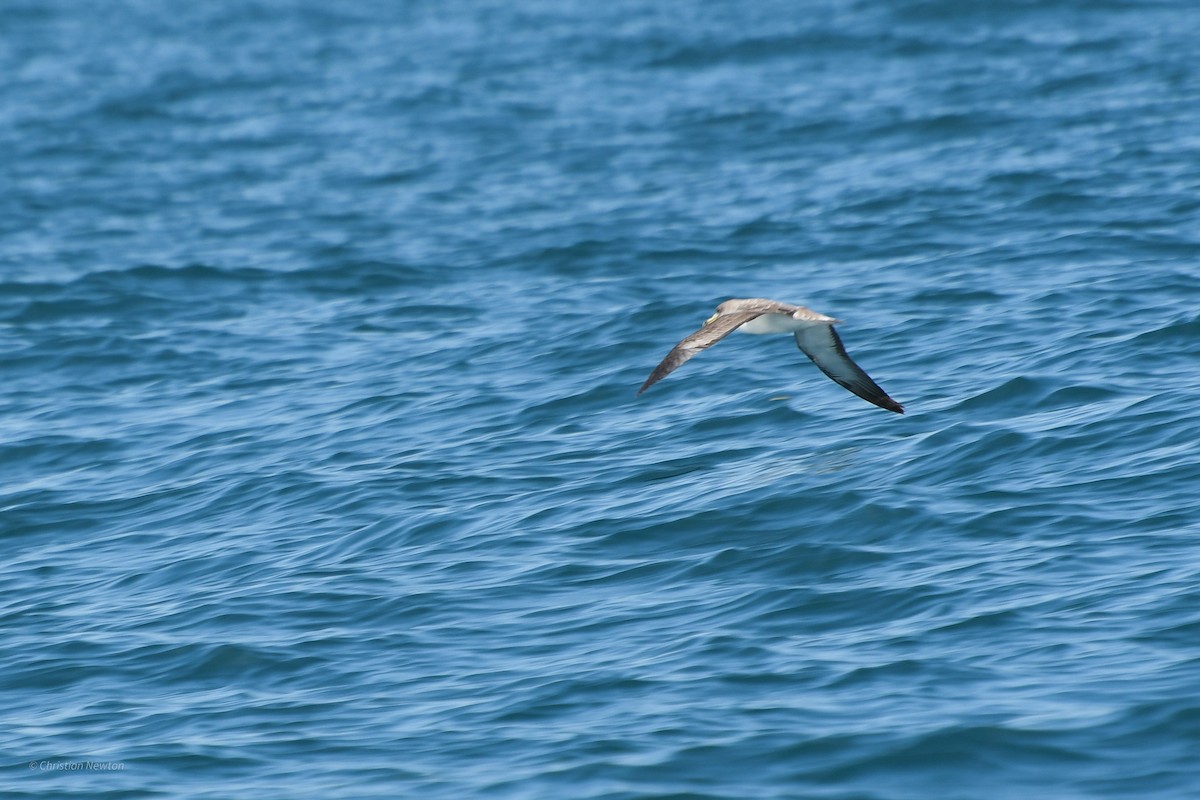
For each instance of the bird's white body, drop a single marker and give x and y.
(784, 323)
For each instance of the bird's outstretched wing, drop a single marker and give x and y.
(822, 344)
(707, 336)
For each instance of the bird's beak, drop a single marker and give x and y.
(710, 319)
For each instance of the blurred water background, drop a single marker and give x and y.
(321, 470)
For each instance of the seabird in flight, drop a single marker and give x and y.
(814, 335)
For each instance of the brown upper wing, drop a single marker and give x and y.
(707, 336)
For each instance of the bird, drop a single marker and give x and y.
(814, 334)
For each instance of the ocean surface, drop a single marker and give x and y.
(322, 473)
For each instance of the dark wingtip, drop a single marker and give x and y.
(875, 396)
(653, 379)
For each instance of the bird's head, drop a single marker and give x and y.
(724, 308)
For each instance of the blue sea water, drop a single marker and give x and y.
(321, 469)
